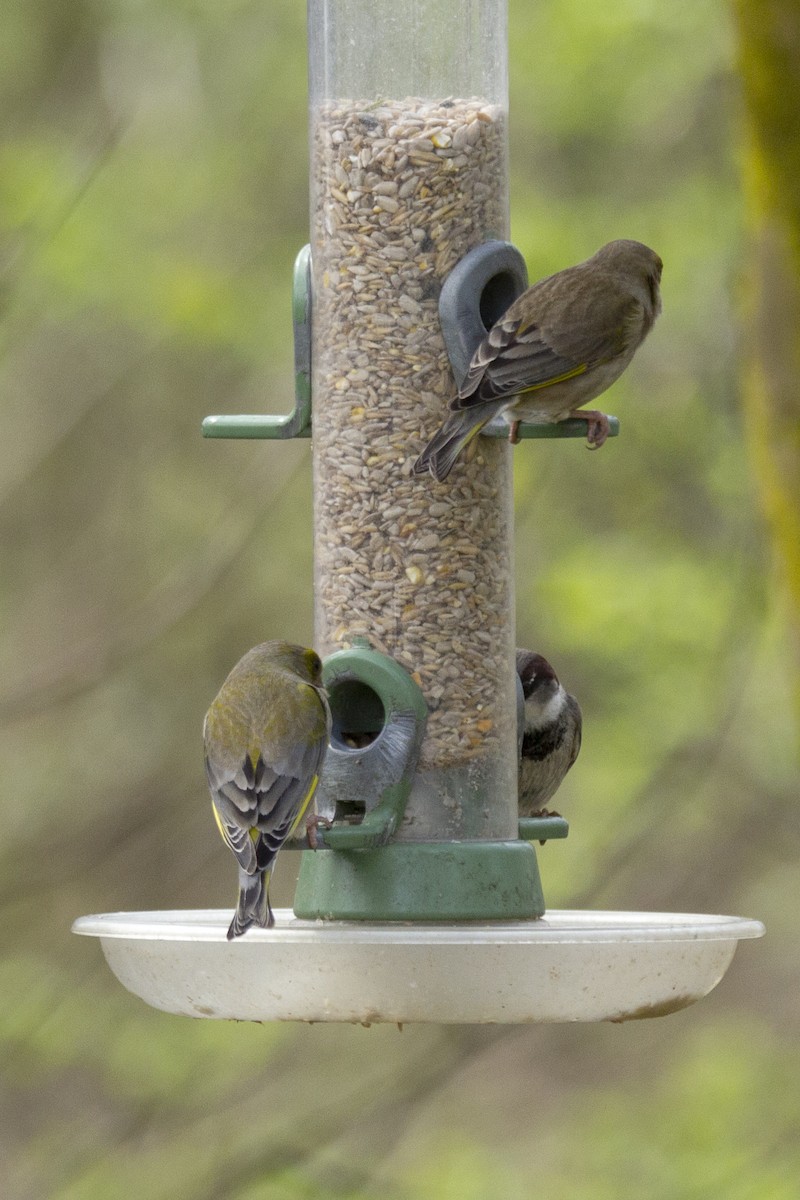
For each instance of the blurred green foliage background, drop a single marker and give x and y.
(153, 178)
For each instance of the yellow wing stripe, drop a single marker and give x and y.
(304, 805)
(220, 826)
(536, 387)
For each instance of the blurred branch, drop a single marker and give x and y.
(684, 772)
(467, 1046)
(674, 785)
(743, 829)
(177, 594)
(377, 1118)
(60, 425)
(29, 249)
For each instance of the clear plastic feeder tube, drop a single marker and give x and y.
(408, 115)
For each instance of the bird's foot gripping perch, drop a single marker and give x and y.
(597, 426)
(313, 823)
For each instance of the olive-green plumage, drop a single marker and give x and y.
(265, 738)
(558, 346)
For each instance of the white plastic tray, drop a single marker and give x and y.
(568, 966)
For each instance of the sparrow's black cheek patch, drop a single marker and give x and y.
(542, 742)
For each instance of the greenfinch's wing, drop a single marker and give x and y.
(235, 833)
(255, 820)
(519, 355)
(267, 796)
(513, 358)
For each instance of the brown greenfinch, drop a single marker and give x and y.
(556, 348)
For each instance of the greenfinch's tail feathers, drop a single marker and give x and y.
(459, 429)
(253, 907)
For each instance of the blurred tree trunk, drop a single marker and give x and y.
(769, 54)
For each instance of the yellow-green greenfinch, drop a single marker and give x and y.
(558, 346)
(551, 736)
(265, 736)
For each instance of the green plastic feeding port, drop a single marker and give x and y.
(378, 718)
(357, 873)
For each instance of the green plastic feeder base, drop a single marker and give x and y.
(421, 881)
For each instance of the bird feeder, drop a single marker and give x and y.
(423, 900)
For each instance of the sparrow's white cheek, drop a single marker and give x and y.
(539, 716)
